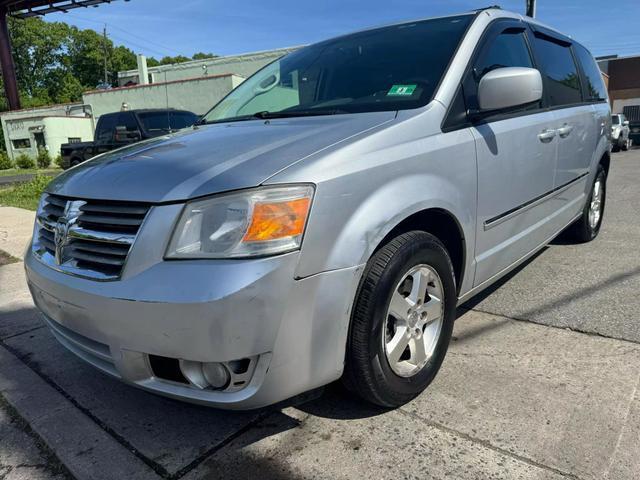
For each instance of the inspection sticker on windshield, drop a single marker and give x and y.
(401, 90)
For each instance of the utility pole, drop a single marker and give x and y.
(531, 8)
(104, 33)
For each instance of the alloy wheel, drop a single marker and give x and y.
(414, 320)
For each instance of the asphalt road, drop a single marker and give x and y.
(517, 398)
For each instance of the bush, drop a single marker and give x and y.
(25, 161)
(43, 159)
(25, 195)
(58, 161)
(5, 163)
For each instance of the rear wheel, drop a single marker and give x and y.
(402, 320)
(588, 225)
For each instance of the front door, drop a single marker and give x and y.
(516, 162)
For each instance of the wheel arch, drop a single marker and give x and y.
(445, 227)
(605, 161)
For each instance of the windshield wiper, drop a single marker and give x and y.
(266, 114)
(297, 113)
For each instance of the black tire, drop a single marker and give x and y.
(615, 147)
(582, 231)
(625, 145)
(367, 370)
(74, 162)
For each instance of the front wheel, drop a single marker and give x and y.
(402, 320)
(626, 144)
(587, 227)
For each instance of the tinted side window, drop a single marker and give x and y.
(180, 120)
(559, 71)
(595, 89)
(509, 49)
(155, 121)
(106, 128)
(127, 120)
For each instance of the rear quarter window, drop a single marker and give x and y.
(595, 89)
(559, 71)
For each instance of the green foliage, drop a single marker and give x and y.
(202, 56)
(56, 62)
(25, 195)
(5, 163)
(24, 161)
(58, 161)
(43, 159)
(170, 60)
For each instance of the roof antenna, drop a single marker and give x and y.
(531, 8)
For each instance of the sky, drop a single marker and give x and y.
(167, 27)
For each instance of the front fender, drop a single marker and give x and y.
(347, 226)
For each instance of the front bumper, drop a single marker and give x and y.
(205, 311)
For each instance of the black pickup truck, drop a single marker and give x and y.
(632, 112)
(115, 130)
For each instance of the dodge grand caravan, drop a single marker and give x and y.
(325, 218)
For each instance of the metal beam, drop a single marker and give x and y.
(34, 8)
(531, 8)
(6, 61)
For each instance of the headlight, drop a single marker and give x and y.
(257, 222)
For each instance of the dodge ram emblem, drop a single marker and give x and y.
(61, 229)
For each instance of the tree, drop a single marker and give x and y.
(176, 59)
(38, 50)
(203, 56)
(56, 63)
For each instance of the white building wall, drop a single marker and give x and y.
(74, 118)
(618, 105)
(243, 65)
(196, 95)
(55, 129)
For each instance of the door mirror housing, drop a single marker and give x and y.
(509, 87)
(625, 123)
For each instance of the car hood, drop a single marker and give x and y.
(209, 159)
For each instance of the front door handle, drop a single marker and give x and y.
(565, 130)
(547, 135)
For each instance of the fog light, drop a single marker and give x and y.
(205, 375)
(216, 374)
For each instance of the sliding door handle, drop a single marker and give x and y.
(565, 130)
(547, 135)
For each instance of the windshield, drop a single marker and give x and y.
(615, 120)
(389, 68)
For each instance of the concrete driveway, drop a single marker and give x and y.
(541, 382)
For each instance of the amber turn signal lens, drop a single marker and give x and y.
(271, 221)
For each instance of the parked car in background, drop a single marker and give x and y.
(620, 133)
(115, 130)
(632, 114)
(326, 218)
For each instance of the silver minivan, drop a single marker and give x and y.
(324, 220)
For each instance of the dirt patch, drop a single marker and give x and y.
(6, 259)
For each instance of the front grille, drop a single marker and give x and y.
(98, 235)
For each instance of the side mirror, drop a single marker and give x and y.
(509, 87)
(625, 123)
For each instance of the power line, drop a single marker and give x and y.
(114, 27)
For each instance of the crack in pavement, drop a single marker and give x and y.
(622, 430)
(537, 322)
(488, 445)
(53, 465)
